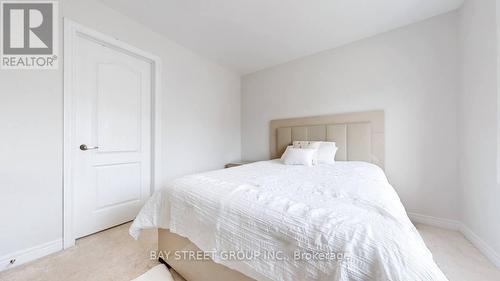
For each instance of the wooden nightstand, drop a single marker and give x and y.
(236, 164)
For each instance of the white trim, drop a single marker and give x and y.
(456, 225)
(434, 221)
(481, 245)
(30, 254)
(71, 30)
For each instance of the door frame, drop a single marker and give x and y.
(71, 31)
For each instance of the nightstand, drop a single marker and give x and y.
(236, 164)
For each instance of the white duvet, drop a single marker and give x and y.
(326, 222)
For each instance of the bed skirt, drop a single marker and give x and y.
(193, 270)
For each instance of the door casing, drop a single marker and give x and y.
(71, 31)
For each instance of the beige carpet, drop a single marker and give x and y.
(112, 255)
(456, 256)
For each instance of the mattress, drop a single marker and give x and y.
(327, 222)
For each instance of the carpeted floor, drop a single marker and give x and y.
(112, 255)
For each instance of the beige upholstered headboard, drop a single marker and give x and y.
(359, 136)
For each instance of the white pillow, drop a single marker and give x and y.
(308, 144)
(326, 152)
(298, 156)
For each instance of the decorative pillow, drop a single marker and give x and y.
(298, 156)
(326, 150)
(308, 144)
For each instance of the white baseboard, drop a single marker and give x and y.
(479, 243)
(30, 254)
(434, 221)
(456, 225)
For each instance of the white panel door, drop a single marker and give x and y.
(112, 133)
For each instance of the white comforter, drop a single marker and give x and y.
(348, 212)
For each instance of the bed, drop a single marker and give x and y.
(270, 221)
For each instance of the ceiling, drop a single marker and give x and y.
(249, 35)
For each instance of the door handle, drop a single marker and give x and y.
(84, 147)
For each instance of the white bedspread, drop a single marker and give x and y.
(283, 217)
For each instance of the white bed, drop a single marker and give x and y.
(348, 209)
(348, 212)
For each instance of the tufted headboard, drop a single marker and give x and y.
(359, 136)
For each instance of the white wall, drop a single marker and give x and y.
(201, 126)
(478, 121)
(411, 73)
